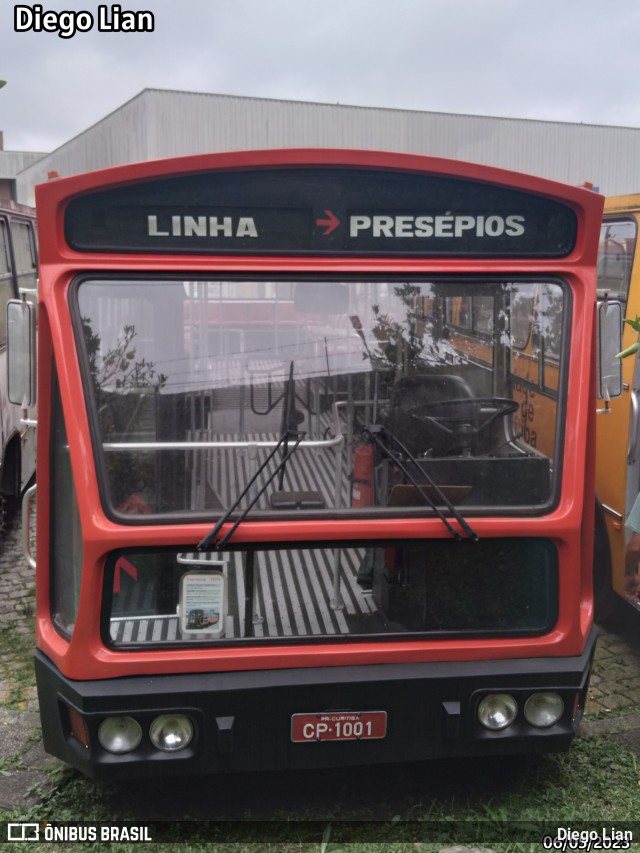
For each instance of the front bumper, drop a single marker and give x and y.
(242, 720)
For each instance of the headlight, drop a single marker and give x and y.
(119, 734)
(171, 732)
(497, 711)
(543, 709)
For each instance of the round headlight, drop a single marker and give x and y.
(497, 711)
(119, 734)
(543, 709)
(171, 732)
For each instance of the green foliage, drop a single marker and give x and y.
(399, 345)
(16, 661)
(630, 350)
(125, 388)
(503, 804)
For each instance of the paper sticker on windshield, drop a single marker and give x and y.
(202, 604)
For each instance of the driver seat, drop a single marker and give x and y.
(419, 437)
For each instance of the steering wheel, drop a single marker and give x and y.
(463, 417)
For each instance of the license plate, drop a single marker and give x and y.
(338, 725)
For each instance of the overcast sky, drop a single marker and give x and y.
(561, 60)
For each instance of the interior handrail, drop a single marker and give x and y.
(336, 441)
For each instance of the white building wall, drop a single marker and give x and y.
(159, 123)
(120, 137)
(12, 162)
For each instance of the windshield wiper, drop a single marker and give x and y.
(373, 431)
(208, 539)
(288, 431)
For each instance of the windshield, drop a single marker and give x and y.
(384, 396)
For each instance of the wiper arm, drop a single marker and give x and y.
(287, 431)
(208, 539)
(373, 432)
(289, 422)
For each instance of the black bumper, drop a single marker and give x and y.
(242, 720)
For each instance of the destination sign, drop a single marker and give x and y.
(320, 211)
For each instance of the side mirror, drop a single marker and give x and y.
(609, 368)
(21, 352)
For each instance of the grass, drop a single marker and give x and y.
(506, 804)
(16, 666)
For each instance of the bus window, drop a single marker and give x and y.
(24, 253)
(163, 367)
(6, 280)
(521, 312)
(550, 324)
(482, 314)
(536, 329)
(615, 257)
(458, 312)
(4, 248)
(472, 313)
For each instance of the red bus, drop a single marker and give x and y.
(282, 521)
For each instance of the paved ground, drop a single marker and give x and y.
(613, 709)
(22, 758)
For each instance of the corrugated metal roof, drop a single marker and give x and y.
(164, 123)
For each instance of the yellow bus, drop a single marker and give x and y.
(535, 334)
(618, 425)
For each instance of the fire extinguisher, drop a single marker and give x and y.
(362, 478)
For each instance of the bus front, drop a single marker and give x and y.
(291, 510)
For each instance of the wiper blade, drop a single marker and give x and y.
(288, 430)
(373, 432)
(205, 543)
